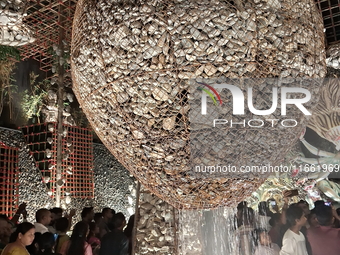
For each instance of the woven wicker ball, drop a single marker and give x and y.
(135, 67)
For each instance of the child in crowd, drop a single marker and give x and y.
(265, 245)
(294, 242)
(61, 226)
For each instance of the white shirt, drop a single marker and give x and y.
(40, 228)
(293, 244)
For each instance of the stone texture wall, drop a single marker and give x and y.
(156, 226)
(114, 187)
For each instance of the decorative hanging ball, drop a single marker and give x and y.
(136, 68)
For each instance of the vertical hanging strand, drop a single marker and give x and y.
(134, 232)
(61, 71)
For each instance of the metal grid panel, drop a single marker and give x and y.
(330, 10)
(77, 163)
(9, 184)
(78, 149)
(42, 147)
(45, 18)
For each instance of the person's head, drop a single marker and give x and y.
(247, 216)
(23, 234)
(312, 221)
(98, 217)
(3, 227)
(119, 221)
(240, 206)
(319, 203)
(43, 216)
(263, 237)
(46, 243)
(78, 238)
(263, 208)
(94, 229)
(87, 214)
(295, 216)
(107, 214)
(304, 206)
(62, 224)
(56, 213)
(324, 215)
(275, 220)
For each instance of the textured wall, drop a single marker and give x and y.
(114, 187)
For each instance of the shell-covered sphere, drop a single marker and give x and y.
(134, 65)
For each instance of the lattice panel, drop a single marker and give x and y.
(330, 10)
(9, 184)
(48, 20)
(77, 162)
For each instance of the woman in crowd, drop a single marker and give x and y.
(77, 244)
(22, 237)
(92, 237)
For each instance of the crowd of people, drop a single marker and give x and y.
(295, 230)
(104, 233)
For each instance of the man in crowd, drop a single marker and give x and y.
(294, 242)
(43, 218)
(115, 242)
(324, 239)
(107, 217)
(87, 214)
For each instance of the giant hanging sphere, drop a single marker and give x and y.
(135, 67)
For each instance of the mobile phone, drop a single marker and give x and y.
(273, 203)
(293, 193)
(328, 203)
(55, 237)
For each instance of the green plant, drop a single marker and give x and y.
(34, 100)
(7, 52)
(7, 88)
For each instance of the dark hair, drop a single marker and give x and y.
(62, 224)
(319, 203)
(56, 210)
(86, 211)
(3, 216)
(241, 205)
(263, 208)
(46, 243)
(293, 213)
(22, 228)
(105, 210)
(247, 214)
(257, 233)
(129, 227)
(274, 219)
(324, 215)
(97, 216)
(40, 214)
(78, 239)
(303, 202)
(118, 220)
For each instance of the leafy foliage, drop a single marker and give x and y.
(33, 100)
(7, 52)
